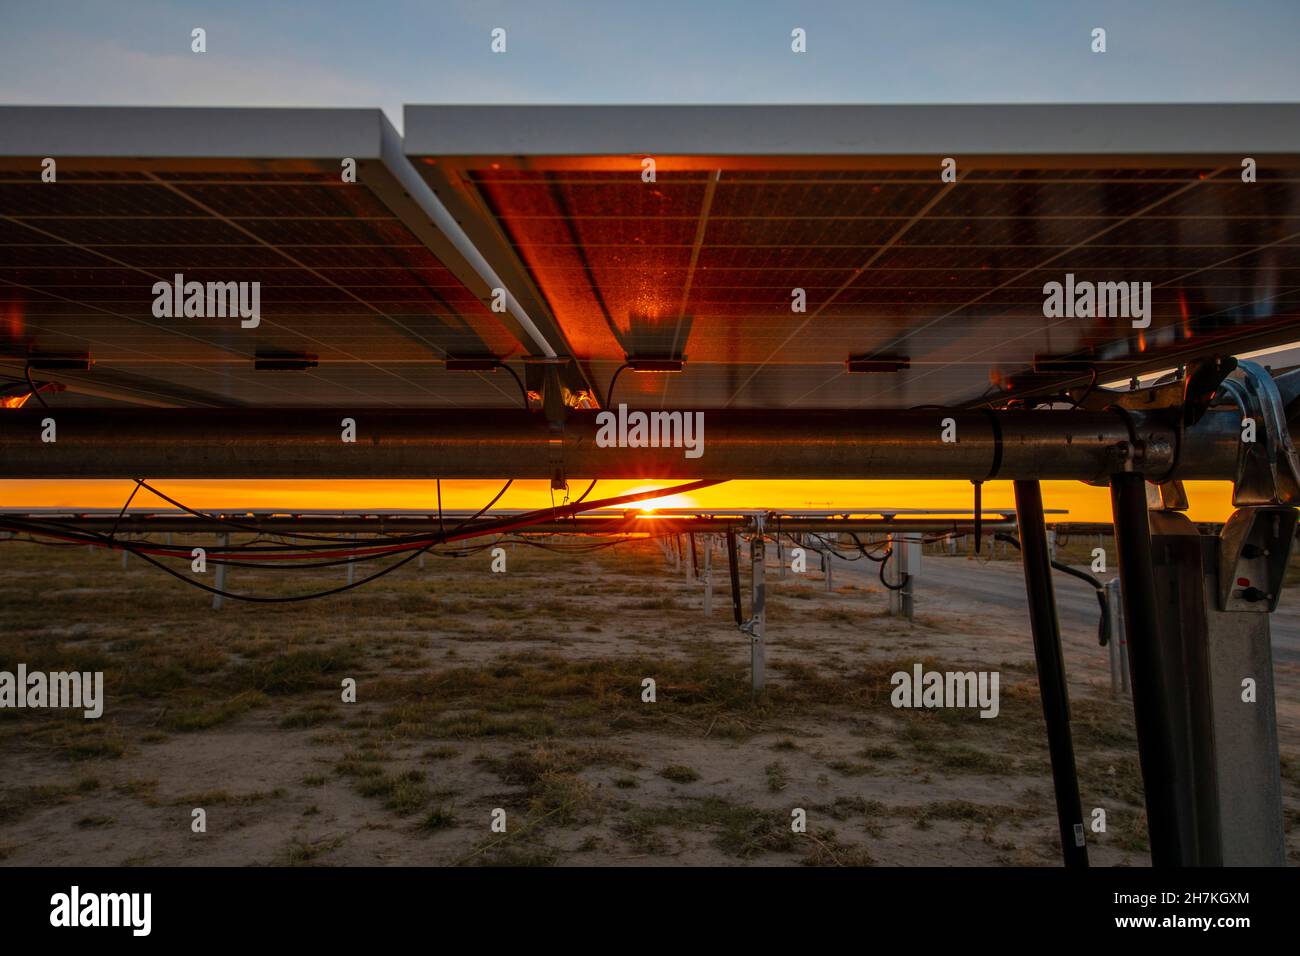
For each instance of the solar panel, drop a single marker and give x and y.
(750, 208)
(346, 270)
(750, 204)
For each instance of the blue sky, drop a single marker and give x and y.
(359, 53)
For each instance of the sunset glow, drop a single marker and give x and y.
(1210, 501)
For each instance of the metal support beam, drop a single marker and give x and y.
(496, 443)
(758, 614)
(1197, 616)
(1247, 768)
(1118, 646)
(708, 577)
(903, 569)
(223, 541)
(660, 525)
(1050, 662)
(1166, 776)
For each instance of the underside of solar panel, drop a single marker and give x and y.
(742, 257)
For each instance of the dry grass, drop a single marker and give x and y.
(523, 691)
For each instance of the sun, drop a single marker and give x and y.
(651, 505)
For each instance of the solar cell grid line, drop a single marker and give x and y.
(1170, 282)
(1217, 345)
(1076, 172)
(871, 260)
(126, 133)
(895, 344)
(706, 205)
(437, 350)
(130, 318)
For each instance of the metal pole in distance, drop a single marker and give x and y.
(894, 573)
(733, 572)
(1128, 499)
(1051, 669)
(1115, 619)
(352, 568)
(708, 576)
(758, 651)
(909, 570)
(223, 541)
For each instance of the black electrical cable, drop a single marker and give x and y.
(318, 594)
(256, 599)
(903, 575)
(1087, 391)
(609, 393)
(522, 391)
(583, 496)
(223, 521)
(441, 528)
(131, 497)
(27, 374)
(1103, 625)
(863, 552)
(96, 538)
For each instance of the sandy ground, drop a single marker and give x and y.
(523, 691)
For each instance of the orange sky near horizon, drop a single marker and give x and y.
(1210, 500)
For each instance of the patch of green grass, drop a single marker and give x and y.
(202, 716)
(299, 853)
(827, 850)
(298, 671)
(403, 793)
(439, 818)
(89, 741)
(678, 773)
(879, 752)
(739, 830)
(359, 764)
(777, 776)
(987, 815)
(311, 716)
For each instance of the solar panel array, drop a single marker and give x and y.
(702, 263)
